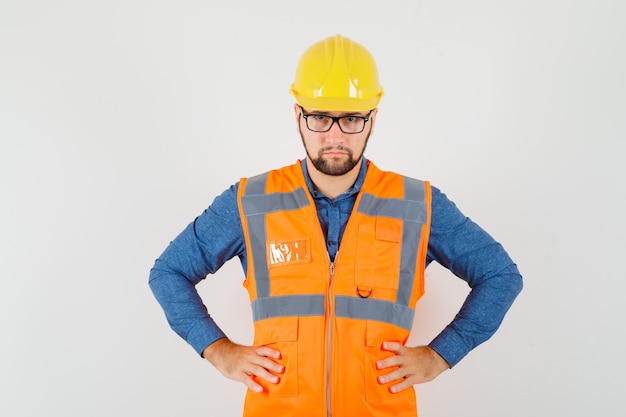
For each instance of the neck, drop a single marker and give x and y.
(333, 186)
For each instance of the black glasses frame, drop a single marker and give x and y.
(334, 119)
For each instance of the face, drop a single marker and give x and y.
(334, 153)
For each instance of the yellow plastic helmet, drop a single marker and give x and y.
(337, 74)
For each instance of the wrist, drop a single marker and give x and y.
(211, 351)
(439, 361)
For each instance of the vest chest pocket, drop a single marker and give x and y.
(379, 249)
(280, 333)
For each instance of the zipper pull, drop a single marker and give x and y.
(332, 269)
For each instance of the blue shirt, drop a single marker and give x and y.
(456, 242)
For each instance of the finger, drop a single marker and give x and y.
(392, 346)
(394, 375)
(268, 351)
(389, 362)
(263, 373)
(269, 364)
(401, 386)
(249, 382)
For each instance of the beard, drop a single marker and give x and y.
(334, 166)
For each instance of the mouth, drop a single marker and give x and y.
(335, 152)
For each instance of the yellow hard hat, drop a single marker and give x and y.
(337, 74)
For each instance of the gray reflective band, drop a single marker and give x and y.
(288, 305)
(393, 207)
(345, 307)
(267, 203)
(372, 309)
(255, 186)
(411, 236)
(414, 191)
(256, 225)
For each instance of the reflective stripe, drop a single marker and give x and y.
(393, 208)
(258, 237)
(414, 191)
(266, 203)
(411, 236)
(288, 305)
(373, 309)
(346, 307)
(255, 186)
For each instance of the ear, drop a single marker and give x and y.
(373, 119)
(296, 113)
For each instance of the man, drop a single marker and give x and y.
(334, 252)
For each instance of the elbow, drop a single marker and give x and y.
(517, 282)
(520, 284)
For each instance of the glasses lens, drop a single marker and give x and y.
(318, 122)
(352, 124)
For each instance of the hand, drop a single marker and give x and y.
(241, 363)
(414, 365)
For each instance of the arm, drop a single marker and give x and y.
(470, 253)
(202, 248)
(473, 255)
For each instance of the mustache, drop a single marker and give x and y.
(335, 148)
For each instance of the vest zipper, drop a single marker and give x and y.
(328, 346)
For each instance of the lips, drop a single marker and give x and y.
(335, 152)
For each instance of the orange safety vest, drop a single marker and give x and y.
(329, 319)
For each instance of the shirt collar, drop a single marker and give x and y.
(355, 188)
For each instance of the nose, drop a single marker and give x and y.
(335, 135)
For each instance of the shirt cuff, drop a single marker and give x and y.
(450, 346)
(203, 334)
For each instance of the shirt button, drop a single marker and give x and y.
(332, 242)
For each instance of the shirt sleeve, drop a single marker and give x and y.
(470, 253)
(213, 238)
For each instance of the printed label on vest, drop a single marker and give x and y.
(285, 252)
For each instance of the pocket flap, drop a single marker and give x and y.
(276, 329)
(389, 230)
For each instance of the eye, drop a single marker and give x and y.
(320, 117)
(350, 119)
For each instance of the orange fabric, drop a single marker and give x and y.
(330, 361)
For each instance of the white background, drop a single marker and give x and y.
(121, 120)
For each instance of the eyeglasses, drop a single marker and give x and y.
(323, 123)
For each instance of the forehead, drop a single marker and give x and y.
(336, 113)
